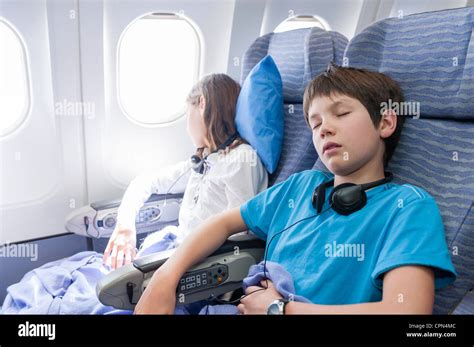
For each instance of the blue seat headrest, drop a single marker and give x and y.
(299, 54)
(430, 54)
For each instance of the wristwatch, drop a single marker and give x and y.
(277, 307)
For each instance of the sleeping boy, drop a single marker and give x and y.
(352, 240)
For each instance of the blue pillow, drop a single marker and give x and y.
(259, 118)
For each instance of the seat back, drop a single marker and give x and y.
(431, 55)
(300, 55)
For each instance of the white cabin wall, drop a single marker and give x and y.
(246, 27)
(42, 174)
(48, 149)
(341, 15)
(116, 149)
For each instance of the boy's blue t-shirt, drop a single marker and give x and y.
(336, 259)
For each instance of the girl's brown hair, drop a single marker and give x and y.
(220, 93)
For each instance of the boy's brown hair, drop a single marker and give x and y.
(371, 88)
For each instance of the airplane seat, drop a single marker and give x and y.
(300, 55)
(431, 55)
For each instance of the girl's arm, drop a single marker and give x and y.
(121, 249)
(144, 185)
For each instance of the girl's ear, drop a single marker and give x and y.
(202, 103)
(388, 123)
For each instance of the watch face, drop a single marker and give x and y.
(274, 308)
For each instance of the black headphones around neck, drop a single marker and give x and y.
(346, 198)
(199, 163)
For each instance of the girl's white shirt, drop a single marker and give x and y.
(228, 181)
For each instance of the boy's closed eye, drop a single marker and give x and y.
(344, 114)
(317, 123)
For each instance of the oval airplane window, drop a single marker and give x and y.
(300, 22)
(14, 88)
(158, 63)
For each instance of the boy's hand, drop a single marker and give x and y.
(159, 297)
(258, 302)
(160, 294)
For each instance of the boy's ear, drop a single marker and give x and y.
(388, 123)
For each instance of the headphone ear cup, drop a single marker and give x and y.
(200, 168)
(347, 198)
(197, 164)
(314, 197)
(319, 195)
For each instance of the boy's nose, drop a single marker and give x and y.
(326, 129)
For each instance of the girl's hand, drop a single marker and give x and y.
(121, 247)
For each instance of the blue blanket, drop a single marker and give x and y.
(67, 286)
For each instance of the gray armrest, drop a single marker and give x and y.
(221, 272)
(99, 218)
(154, 261)
(115, 203)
